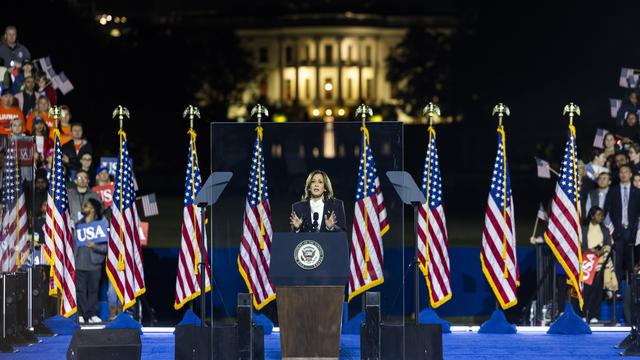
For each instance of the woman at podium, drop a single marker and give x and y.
(318, 210)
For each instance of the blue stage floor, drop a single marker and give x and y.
(457, 345)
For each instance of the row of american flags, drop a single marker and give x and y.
(370, 223)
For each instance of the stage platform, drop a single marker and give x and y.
(463, 343)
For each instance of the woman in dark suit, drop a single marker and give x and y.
(318, 210)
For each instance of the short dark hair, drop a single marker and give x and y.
(625, 166)
(97, 206)
(596, 153)
(593, 211)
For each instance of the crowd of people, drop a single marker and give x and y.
(27, 95)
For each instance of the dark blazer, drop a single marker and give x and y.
(613, 207)
(303, 211)
(606, 238)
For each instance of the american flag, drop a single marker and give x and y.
(369, 225)
(255, 249)
(542, 167)
(598, 140)
(14, 246)
(628, 78)
(58, 236)
(614, 107)
(149, 205)
(498, 254)
(563, 234)
(191, 253)
(433, 245)
(124, 256)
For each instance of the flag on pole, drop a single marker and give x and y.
(58, 236)
(614, 107)
(543, 169)
(563, 234)
(498, 254)
(15, 245)
(189, 278)
(628, 78)
(124, 256)
(433, 245)
(369, 225)
(255, 248)
(149, 205)
(542, 214)
(598, 140)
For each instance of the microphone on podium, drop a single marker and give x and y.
(315, 221)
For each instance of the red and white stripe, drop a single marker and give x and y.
(503, 280)
(367, 252)
(253, 261)
(191, 254)
(58, 251)
(432, 230)
(128, 279)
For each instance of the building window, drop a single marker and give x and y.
(328, 89)
(263, 55)
(349, 88)
(263, 87)
(369, 90)
(368, 54)
(307, 88)
(287, 89)
(288, 55)
(349, 53)
(307, 53)
(328, 54)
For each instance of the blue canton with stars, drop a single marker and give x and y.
(253, 196)
(566, 181)
(372, 174)
(124, 172)
(59, 187)
(189, 193)
(497, 178)
(434, 178)
(10, 178)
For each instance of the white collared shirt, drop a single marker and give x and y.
(625, 202)
(317, 206)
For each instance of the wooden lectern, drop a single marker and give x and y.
(310, 271)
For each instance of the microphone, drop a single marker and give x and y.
(315, 224)
(316, 216)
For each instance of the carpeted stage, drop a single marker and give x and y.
(462, 343)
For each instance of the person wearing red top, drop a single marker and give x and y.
(8, 112)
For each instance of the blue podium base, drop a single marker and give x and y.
(429, 316)
(353, 326)
(497, 324)
(124, 321)
(61, 325)
(569, 323)
(265, 322)
(189, 318)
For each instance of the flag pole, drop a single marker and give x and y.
(363, 111)
(429, 111)
(503, 110)
(56, 113)
(120, 112)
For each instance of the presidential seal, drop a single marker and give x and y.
(308, 254)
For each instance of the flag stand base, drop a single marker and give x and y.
(497, 324)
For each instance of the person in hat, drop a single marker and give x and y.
(24, 71)
(8, 112)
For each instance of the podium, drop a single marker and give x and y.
(310, 271)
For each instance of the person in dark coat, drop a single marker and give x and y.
(595, 238)
(319, 210)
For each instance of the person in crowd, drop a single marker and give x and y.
(41, 187)
(41, 111)
(46, 89)
(25, 70)
(11, 50)
(8, 112)
(636, 181)
(41, 133)
(78, 195)
(318, 210)
(629, 105)
(103, 177)
(629, 132)
(619, 159)
(17, 127)
(597, 164)
(609, 144)
(27, 98)
(622, 206)
(64, 126)
(596, 239)
(89, 260)
(597, 196)
(634, 157)
(72, 150)
(86, 164)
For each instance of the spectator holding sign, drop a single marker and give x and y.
(90, 256)
(73, 150)
(80, 194)
(8, 112)
(596, 240)
(12, 51)
(45, 88)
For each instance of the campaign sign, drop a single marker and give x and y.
(95, 231)
(110, 163)
(589, 266)
(106, 194)
(24, 145)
